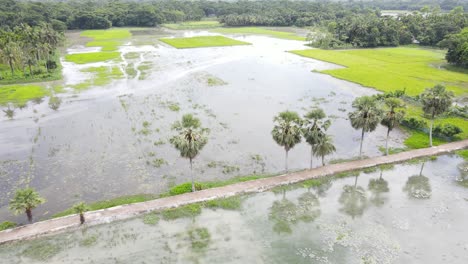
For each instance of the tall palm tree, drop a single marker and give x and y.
(10, 53)
(190, 140)
(314, 129)
(287, 131)
(366, 116)
(25, 200)
(324, 147)
(81, 208)
(392, 116)
(435, 102)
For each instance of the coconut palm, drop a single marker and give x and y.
(324, 147)
(25, 200)
(10, 53)
(314, 129)
(435, 102)
(366, 116)
(190, 140)
(287, 131)
(81, 208)
(392, 117)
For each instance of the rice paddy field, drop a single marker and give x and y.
(202, 42)
(277, 33)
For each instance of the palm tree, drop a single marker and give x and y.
(324, 147)
(435, 102)
(392, 117)
(26, 200)
(287, 131)
(81, 208)
(366, 116)
(10, 52)
(190, 140)
(314, 129)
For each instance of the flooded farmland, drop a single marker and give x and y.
(399, 214)
(110, 136)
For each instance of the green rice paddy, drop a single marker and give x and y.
(202, 41)
(391, 69)
(260, 31)
(101, 76)
(193, 25)
(90, 57)
(21, 94)
(109, 39)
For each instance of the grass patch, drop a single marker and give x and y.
(41, 250)
(21, 94)
(89, 241)
(463, 154)
(200, 238)
(109, 39)
(90, 57)
(151, 219)
(101, 76)
(202, 41)
(260, 31)
(215, 81)
(111, 203)
(418, 139)
(230, 203)
(7, 225)
(391, 69)
(193, 25)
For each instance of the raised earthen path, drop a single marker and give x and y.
(128, 211)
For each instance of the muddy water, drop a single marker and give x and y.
(96, 146)
(390, 216)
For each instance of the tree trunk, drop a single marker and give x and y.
(82, 219)
(362, 140)
(386, 142)
(286, 161)
(430, 131)
(11, 67)
(29, 215)
(30, 70)
(191, 176)
(311, 157)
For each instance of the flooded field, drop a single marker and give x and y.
(110, 135)
(395, 215)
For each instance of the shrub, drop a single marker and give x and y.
(447, 130)
(414, 123)
(184, 188)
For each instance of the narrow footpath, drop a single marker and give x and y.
(127, 211)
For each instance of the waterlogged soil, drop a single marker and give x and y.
(378, 217)
(113, 139)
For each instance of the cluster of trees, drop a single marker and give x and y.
(457, 45)
(29, 49)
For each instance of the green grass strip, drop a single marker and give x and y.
(202, 42)
(260, 31)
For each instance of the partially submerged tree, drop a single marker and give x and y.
(314, 129)
(190, 140)
(80, 209)
(25, 200)
(435, 102)
(287, 131)
(324, 147)
(392, 116)
(366, 117)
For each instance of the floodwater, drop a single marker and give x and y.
(96, 147)
(390, 216)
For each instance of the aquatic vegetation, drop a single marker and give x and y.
(202, 41)
(190, 210)
(157, 163)
(151, 219)
(260, 31)
(41, 250)
(55, 102)
(90, 57)
(215, 81)
(231, 203)
(89, 241)
(227, 169)
(200, 238)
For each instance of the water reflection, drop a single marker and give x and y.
(377, 188)
(418, 186)
(463, 179)
(283, 213)
(353, 199)
(308, 207)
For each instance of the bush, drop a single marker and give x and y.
(414, 123)
(51, 64)
(447, 130)
(7, 225)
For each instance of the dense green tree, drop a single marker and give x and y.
(314, 129)
(366, 117)
(80, 209)
(435, 102)
(457, 45)
(392, 116)
(25, 200)
(287, 131)
(190, 140)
